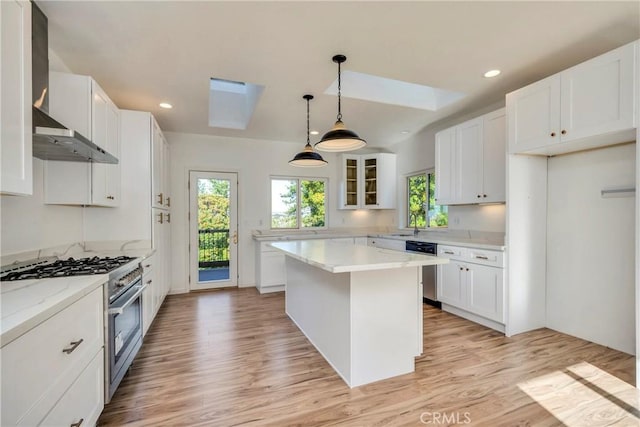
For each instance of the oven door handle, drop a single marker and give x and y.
(119, 309)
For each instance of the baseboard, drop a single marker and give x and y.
(474, 318)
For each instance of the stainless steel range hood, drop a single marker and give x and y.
(51, 139)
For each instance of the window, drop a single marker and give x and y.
(421, 204)
(298, 202)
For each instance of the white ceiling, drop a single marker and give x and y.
(143, 53)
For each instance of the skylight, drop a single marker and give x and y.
(231, 104)
(395, 92)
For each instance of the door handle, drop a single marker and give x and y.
(235, 237)
(74, 345)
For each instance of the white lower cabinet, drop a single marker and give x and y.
(148, 295)
(473, 283)
(270, 270)
(54, 373)
(83, 403)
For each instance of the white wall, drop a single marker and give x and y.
(590, 247)
(254, 161)
(418, 153)
(29, 224)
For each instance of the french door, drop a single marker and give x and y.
(213, 229)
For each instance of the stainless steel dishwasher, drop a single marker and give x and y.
(429, 276)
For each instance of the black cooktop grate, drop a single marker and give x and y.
(70, 267)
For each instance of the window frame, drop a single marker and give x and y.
(407, 213)
(299, 179)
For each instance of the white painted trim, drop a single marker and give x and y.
(474, 318)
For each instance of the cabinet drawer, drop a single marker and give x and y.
(485, 257)
(455, 252)
(147, 264)
(84, 400)
(39, 366)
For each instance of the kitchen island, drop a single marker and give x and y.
(360, 306)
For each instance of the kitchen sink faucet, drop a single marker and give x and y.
(415, 223)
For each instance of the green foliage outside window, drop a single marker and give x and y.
(297, 201)
(421, 201)
(213, 220)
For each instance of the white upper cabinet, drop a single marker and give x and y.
(15, 110)
(80, 103)
(470, 161)
(583, 107)
(367, 181)
(160, 169)
(469, 158)
(446, 166)
(494, 157)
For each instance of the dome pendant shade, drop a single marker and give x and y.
(308, 158)
(339, 138)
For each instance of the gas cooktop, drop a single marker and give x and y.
(67, 267)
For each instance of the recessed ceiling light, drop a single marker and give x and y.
(404, 132)
(165, 105)
(314, 132)
(491, 73)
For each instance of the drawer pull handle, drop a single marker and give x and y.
(449, 252)
(481, 257)
(160, 199)
(168, 204)
(74, 345)
(78, 424)
(149, 282)
(147, 265)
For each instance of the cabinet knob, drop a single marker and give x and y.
(484, 195)
(564, 132)
(553, 134)
(467, 269)
(461, 268)
(478, 196)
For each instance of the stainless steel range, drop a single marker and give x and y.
(123, 303)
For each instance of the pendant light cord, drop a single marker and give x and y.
(339, 89)
(308, 139)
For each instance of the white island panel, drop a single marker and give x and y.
(361, 307)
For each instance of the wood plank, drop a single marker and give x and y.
(233, 357)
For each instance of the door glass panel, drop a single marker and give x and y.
(213, 229)
(370, 182)
(352, 182)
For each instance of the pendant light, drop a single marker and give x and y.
(339, 138)
(308, 158)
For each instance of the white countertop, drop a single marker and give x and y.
(467, 238)
(341, 257)
(27, 303)
(447, 240)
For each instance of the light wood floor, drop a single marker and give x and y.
(232, 357)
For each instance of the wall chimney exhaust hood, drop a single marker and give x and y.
(51, 139)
